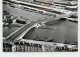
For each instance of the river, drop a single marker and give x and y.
(65, 30)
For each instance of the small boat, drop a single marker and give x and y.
(73, 20)
(63, 18)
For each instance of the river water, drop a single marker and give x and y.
(63, 30)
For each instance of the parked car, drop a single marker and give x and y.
(41, 12)
(5, 13)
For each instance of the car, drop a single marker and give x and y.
(12, 6)
(57, 5)
(25, 8)
(41, 12)
(34, 10)
(5, 13)
(30, 10)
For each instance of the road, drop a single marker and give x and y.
(28, 15)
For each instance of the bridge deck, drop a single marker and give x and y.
(18, 32)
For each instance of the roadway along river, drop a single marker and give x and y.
(26, 14)
(65, 30)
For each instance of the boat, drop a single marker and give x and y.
(63, 18)
(73, 20)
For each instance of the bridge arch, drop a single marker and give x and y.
(18, 34)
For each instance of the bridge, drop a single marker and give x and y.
(18, 34)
